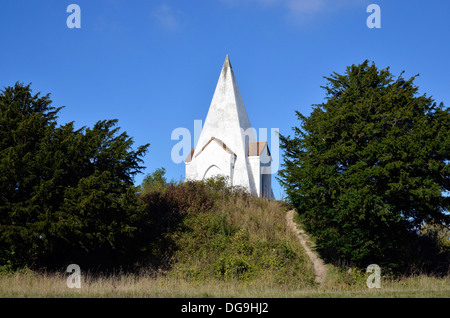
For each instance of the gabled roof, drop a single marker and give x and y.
(189, 157)
(218, 141)
(256, 148)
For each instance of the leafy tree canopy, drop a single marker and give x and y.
(155, 179)
(369, 166)
(65, 194)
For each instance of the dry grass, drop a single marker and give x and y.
(241, 238)
(262, 218)
(35, 285)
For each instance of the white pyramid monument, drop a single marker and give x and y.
(227, 144)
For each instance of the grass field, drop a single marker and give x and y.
(38, 285)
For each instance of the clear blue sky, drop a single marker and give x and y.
(154, 64)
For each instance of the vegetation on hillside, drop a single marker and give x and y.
(369, 168)
(67, 197)
(207, 230)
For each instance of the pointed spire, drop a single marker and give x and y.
(227, 124)
(227, 62)
(227, 114)
(227, 66)
(227, 120)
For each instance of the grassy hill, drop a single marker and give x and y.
(206, 240)
(201, 235)
(227, 235)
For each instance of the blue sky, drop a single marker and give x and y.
(154, 64)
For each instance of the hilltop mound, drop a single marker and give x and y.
(207, 231)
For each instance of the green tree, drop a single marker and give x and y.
(66, 195)
(369, 166)
(156, 179)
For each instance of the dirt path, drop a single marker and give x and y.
(319, 267)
